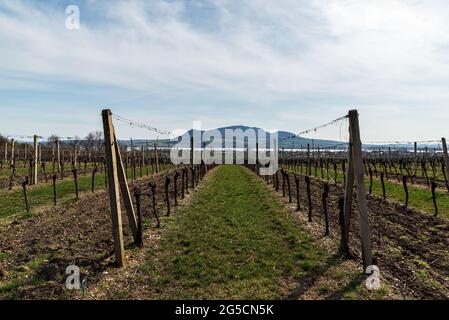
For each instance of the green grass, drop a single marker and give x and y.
(13, 203)
(235, 241)
(419, 198)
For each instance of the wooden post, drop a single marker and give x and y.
(39, 148)
(58, 151)
(192, 150)
(113, 185)
(126, 194)
(13, 142)
(361, 192)
(348, 199)
(36, 159)
(309, 169)
(446, 156)
(416, 157)
(53, 157)
(156, 160)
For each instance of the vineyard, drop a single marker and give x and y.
(201, 230)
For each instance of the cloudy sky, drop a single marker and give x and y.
(285, 64)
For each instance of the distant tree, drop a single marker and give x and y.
(53, 139)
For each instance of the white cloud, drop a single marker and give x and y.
(372, 53)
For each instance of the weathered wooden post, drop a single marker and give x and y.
(58, 152)
(112, 172)
(36, 159)
(6, 151)
(309, 168)
(13, 142)
(156, 159)
(415, 154)
(446, 156)
(192, 150)
(355, 145)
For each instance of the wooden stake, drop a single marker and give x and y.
(446, 156)
(126, 194)
(416, 157)
(36, 159)
(13, 142)
(349, 187)
(113, 185)
(361, 192)
(6, 151)
(156, 159)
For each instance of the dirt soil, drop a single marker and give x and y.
(34, 252)
(411, 247)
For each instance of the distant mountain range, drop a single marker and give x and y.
(286, 139)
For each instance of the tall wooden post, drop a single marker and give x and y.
(192, 150)
(415, 147)
(36, 159)
(309, 168)
(156, 158)
(257, 157)
(446, 157)
(113, 185)
(348, 199)
(13, 142)
(75, 155)
(6, 150)
(126, 195)
(53, 156)
(58, 152)
(357, 159)
(39, 148)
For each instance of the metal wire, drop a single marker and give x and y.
(401, 142)
(315, 129)
(132, 123)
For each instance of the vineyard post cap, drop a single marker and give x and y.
(106, 112)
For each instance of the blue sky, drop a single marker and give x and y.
(285, 64)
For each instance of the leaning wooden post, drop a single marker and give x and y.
(361, 192)
(36, 159)
(446, 156)
(113, 185)
(124, 189)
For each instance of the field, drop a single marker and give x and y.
(221, 231)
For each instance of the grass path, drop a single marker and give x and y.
(234, 241)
